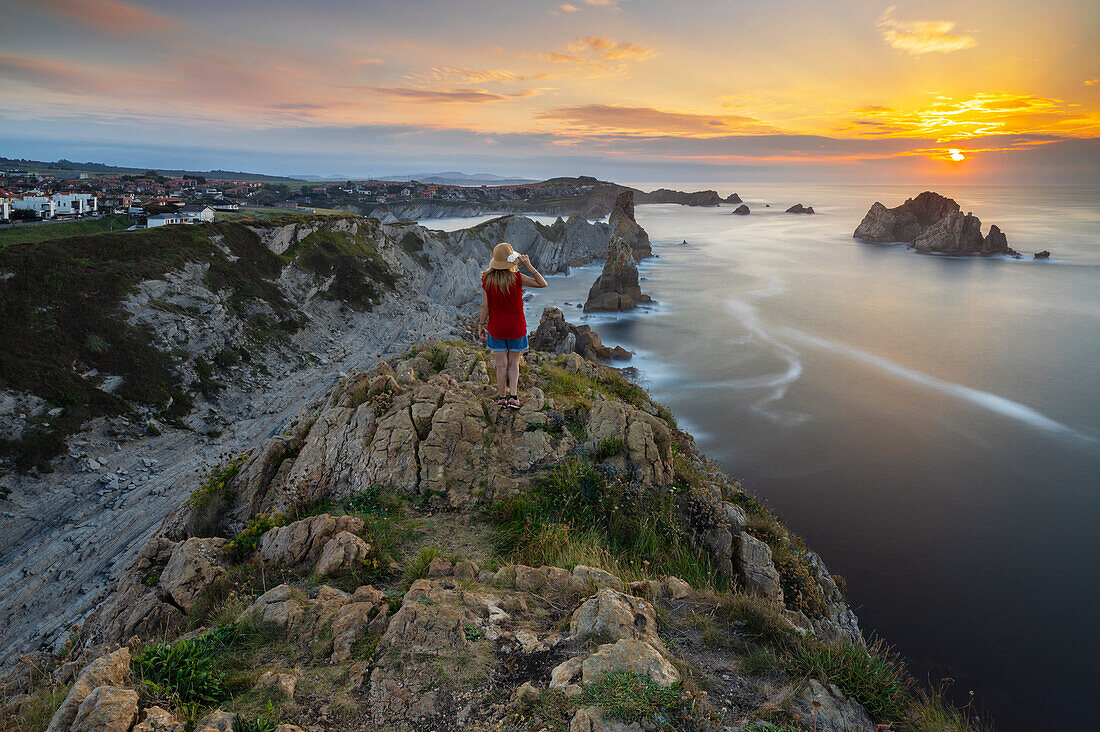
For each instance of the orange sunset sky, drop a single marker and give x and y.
(635, 90)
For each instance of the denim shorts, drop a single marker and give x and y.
(515, 345)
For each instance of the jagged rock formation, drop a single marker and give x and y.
(625, 227)
(733, 198)
(741, 210)
(244, 324)
(617, 288)
(461, 639)
(665, 195)
(1042, 255)
(553, 249)
(557, 335)
(798, 208)
(931, 223)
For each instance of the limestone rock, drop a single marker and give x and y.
(617, 286)
(742, 210)
(341, 554)
(440, 567)
(157, 719)
(931, 223)
(733, 198)
(107, 670)
(564, 673)
(556, 335)
(625, 227)
(282, 683)
(548, 580)
(630, 655)
(303, 542)
(107, 709)
(276, 606)
(613, 615)
(798, 208)
(592, 719)
(1042, 255)
(192, 568)
(351, 621)
(599, 578)
(754, 564)
(219, 720)
(834, 711)
(465, 570)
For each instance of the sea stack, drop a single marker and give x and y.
(617, 287)
(931, 223)
(625, 227)
(741, 210)
(557, 335)
(733, 198)
(799, 208)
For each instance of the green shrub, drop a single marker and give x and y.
(436, 356)
(213, 495)
(759, 660)
(185, 671)
(266, 722)
(868, 675)
(248, 541)
(573, 511)
(629, 697)
(609, 447)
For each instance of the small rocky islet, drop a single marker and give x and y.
(932, 223)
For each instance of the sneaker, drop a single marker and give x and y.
(514, 402)
(502, 402)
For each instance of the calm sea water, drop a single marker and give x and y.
(930, 425)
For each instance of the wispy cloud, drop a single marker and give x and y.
(1092, 82)
(610, 50)
(917, 37)
(608, 118)
(568, 8)
(445, 96)
(472, 76)
(110, 16)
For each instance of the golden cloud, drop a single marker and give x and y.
(948, 119)
(473, 76)
(611, 50)
(444, 96)
(608, 118)
(918, 37)
(568, 8)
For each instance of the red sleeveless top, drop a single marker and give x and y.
(506, 310)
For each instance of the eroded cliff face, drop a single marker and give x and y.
(411, 555)
(246, 324)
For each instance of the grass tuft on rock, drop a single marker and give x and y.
(630, 697)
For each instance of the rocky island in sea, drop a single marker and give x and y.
(931, 223)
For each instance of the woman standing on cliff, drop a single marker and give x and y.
(502, 323)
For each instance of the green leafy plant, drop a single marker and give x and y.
(185, 671)
(266, 722)
(869, 675)
(627, 696)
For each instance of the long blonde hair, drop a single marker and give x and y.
(501, 280)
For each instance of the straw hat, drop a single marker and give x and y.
(504, 257)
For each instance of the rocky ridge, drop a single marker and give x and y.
(71, 532)
(931, 223)
(354, 635)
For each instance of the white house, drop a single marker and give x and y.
(74, 204)
(198, 213)
(224, 204)
(43, 206)
(166, 219)
(5, 209)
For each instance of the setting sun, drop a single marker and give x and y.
(956, 154)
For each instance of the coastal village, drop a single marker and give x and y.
(153, 200)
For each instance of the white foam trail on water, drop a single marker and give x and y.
(777, 384)
(990, 402)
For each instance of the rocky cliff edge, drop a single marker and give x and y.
(411, 556)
